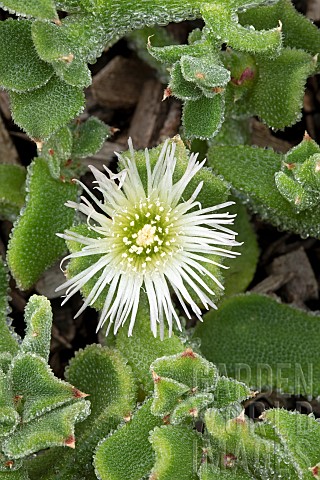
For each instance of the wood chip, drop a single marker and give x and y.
(50, 280)
(172, 123)
(8, 152)
(272, 283)
(303, 285)
(149, 115)
(262, 137)
(105, 155)
(313, 10)
(118, 84)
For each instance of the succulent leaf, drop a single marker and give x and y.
(8, 338)
(44, 110)
(127, 453)
(268, 358)
(34, 246)
(44, 9)
(178, 453)
(38, 317)
(21, 69)
(12, 196)
(53, 429)
(251, 173)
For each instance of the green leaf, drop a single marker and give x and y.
(103, 374)
(167, 393)
(12, 196)
(38, 317)
(20, 474)
(178, 453)
(297, 30)
(299, 434)
(191, 408)
(57, 150)
(40, 391)
(242, 268)
(308, 174)
(280, 84)
(42, 9)
(143, 348)
(295, 193)
(8, 339)
(75, 72)
(9, 417)
(187, 368)
(212, 472)
(127, 453)
(263, 343)
(43, 111)
(251, 173)
(34, 246)
(236, 446)
(182, 88)
(54, 429)
(203, 118)
(21, 69)
(223, 24)
(203, 72)
(229, 391)
(88, 137)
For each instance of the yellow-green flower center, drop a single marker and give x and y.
(145, 235)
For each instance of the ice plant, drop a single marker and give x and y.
(149, 237)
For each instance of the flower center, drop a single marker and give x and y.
(146, 235)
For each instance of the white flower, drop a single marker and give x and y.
(150, 239)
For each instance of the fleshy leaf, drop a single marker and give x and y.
(212, 472)
(298, 31)
(191, 408)
(57, 150)
(251, 172)
(202, 118)
(223, 23)
(103, 374)
(299, 434)
(295, 193)
(167, 393)
(42, 9)
(12, 195)
(242, 268)
(43, 111)
(178, 453)
(260, 350)
(281, 82)
(236, 446)
(20, 67)
(182, 88)
(38, 317)
(88, 137)
(54, 429)
(34, 246)
(188, 368)
(204, 72)
(40, 391)
(9, 417)
(127, 453)
(143, 348)
(8, 339)
(229, 391)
